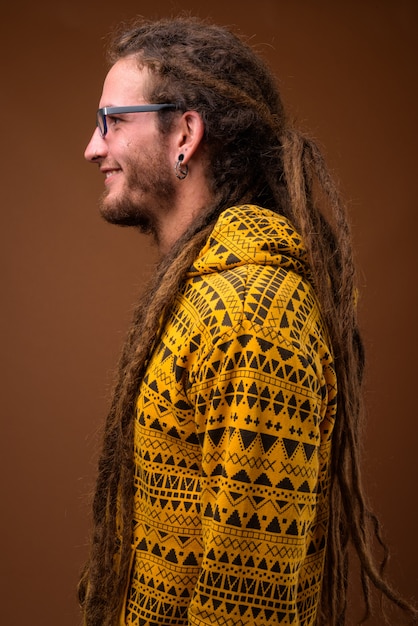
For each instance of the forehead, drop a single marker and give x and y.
(126, 83)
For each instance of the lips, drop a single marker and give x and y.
(110, 173)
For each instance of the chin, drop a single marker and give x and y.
(122, 213)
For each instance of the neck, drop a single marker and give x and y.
(191, 202)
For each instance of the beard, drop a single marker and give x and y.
(147, 194)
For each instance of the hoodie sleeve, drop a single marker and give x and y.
(263, 410)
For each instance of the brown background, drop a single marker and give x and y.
(348, 72)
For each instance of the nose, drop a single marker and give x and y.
(96, 148)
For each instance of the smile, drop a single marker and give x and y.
(110, 173)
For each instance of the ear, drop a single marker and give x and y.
(187, 135)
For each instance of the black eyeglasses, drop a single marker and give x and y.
(139, 108)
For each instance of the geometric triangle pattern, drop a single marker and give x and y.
(233, 439)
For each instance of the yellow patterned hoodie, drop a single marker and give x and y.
(232, 439)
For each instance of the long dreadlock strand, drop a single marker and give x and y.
(102, 585)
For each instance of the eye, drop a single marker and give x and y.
(113, 120)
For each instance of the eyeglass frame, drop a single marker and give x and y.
(139, 108)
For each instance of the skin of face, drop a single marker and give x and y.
(140, 184)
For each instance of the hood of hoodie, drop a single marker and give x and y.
(249, 234)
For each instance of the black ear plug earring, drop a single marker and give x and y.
(181, 169)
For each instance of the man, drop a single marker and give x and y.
(228, 485)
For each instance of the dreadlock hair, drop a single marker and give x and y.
(254, 155)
